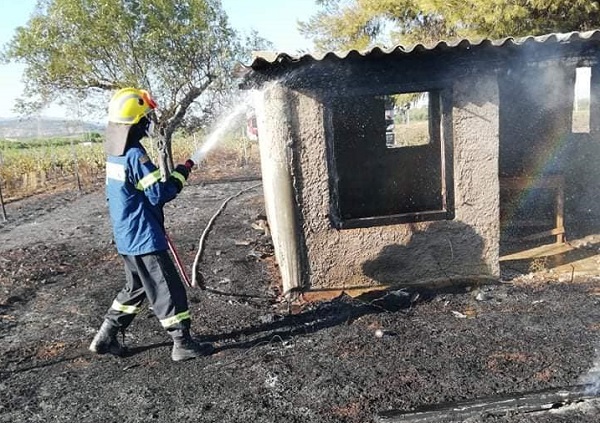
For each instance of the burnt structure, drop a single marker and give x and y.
(352, 205)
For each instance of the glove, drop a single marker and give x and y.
(183, 170)
(189, 163)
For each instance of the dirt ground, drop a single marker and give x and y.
(319, 362)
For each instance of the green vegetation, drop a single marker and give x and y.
(47, 142)
(418, 114)
(27, 166)
(356, 24)
(34, 165)
(183, 52)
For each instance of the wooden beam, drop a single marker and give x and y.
(496, 406)
(544, 234)
(2, 203)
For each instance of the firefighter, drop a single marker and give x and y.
(136, 196)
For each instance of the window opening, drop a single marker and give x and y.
(388, 171)
(581, 101)
(407, 120)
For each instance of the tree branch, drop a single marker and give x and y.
(184, 104)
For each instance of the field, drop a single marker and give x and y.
(413, 134)
(38, 166)
(274, 361)
(581, 120)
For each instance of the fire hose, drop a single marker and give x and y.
(199, 280)
(178, 262)
(197, 277)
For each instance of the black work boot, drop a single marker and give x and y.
(185, 347)
(106, 341)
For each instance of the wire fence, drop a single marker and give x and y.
(27, 169)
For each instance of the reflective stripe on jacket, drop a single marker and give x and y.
(136, 195)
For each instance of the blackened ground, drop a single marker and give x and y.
(321, 363)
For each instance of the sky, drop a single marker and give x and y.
(275, 20)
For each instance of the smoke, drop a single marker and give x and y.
(591, 380)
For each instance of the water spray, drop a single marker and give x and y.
(246, 101)
(222, 125)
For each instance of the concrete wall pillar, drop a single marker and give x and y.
(274, 123)
(476, 145)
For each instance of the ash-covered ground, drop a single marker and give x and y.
(318, 362)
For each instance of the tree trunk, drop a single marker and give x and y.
(165, 155)
(170, 123)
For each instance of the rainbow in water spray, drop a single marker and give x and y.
(541, 168)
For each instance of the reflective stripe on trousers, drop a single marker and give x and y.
(152, 276)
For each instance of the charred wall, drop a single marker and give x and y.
(581, 170)
(535, 118)
(364, 215)
(374, 179)
(440, 250)
(537, 141)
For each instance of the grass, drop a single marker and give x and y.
(581, 120)
(413, 134)
(29, 167)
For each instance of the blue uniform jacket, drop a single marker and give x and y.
(136, 196)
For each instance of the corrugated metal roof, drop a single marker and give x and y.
(264, 59)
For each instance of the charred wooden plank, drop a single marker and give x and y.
(527, 402)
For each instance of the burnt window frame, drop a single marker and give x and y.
(443, 115)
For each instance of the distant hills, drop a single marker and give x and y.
(23, 128)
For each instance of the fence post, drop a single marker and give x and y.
(1, 197)
(2, 203)
(76, 166)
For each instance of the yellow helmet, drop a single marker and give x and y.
(129, 105)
